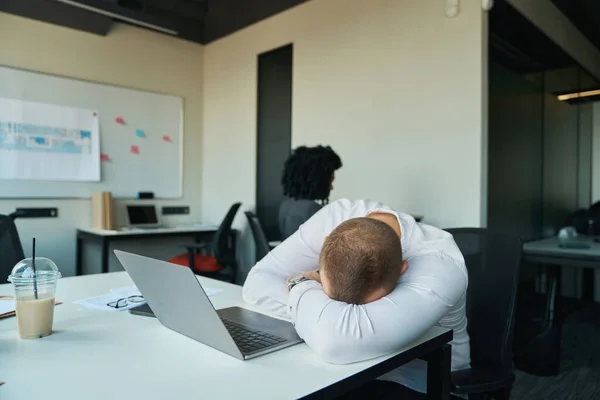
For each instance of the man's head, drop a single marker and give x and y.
(361, 261)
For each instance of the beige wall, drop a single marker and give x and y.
(130, 57)
(395, 87)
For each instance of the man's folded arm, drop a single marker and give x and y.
(265, 286)
(342, 333)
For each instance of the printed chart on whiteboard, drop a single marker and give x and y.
(48, 142)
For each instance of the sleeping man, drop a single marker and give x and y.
(359, 280)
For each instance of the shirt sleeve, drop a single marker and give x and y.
(265, 286)
(343, 333)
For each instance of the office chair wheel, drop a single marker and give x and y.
(501, 394)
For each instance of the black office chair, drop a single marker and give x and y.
(260, 239)
(11, 250)
(215, 259)
(493, 261)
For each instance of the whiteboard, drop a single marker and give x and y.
(141, 136)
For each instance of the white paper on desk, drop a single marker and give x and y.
(101, 302)
(133, 291)
(211, 291)
(7, 306)
(126, 291)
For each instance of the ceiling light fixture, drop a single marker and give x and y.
(487, 5)
(571, 96)
(118, 17)
(452, 8)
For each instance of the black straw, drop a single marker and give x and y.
(35, 288)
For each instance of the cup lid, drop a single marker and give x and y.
(45, 269)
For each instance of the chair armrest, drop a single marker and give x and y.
(197, 246)
(481, 380)
(201, 248)
(16, 214)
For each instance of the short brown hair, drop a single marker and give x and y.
(360, 256)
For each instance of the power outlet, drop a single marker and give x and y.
(176, 210)
(37, 212)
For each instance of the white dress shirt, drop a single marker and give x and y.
(431, 292)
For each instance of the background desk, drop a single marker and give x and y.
(104, 238)
(540, 354)
(547, 252)
(116, 355)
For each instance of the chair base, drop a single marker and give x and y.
(537, 343)
(500, 394)
(541, 355)
(482, 381)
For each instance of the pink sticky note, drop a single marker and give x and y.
(120, 120)
(167, 138)
(135, 149)
(104, 157)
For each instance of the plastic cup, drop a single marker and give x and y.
(35, 296)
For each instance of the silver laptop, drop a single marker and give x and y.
(180, 303)
(142, 216)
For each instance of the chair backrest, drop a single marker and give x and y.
(11, 250)
(260, 239)
(221, 244)
(493, 261)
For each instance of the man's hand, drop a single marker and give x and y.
(312, 275)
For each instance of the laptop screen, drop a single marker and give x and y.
(142, 215)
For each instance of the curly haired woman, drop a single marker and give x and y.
(307, 180)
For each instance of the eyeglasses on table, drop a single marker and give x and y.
(125, 301)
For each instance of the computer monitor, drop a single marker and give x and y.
(141, 216)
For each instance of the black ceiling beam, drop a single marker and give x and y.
(201, 21)
(56, 13)
(521, 46)
(166, 22)
(195, 10)
(122, 13)
(224, 17)
(585, 15)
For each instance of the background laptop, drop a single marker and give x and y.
(180, 303)
(142, 216)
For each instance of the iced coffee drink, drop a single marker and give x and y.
(34, 296)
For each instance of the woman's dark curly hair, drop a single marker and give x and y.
(307, 173)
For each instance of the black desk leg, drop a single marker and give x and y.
(104, 255)
(438, 373)
(78, 256)
(553, 293)
(587, 294)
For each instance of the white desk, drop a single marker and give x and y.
(116, 355)
(104, 237)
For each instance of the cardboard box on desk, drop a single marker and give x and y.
(102, 210)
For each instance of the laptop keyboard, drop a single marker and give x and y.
(249, 340)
